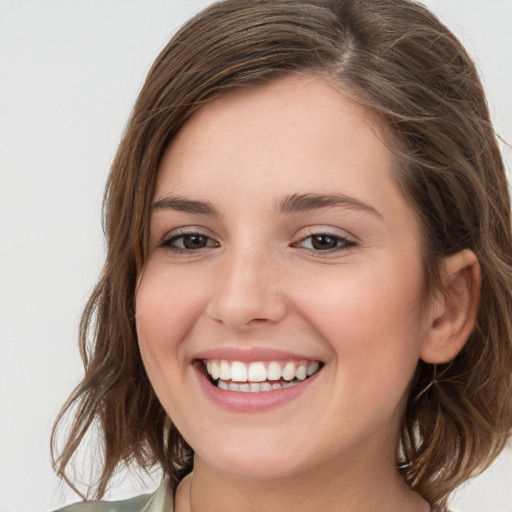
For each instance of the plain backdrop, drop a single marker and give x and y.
(70, 71)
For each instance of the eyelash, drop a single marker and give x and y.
(341, 243)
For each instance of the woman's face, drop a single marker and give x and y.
(284, 259)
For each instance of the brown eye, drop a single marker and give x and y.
(190, 242)
(194, 241)
(324, 242)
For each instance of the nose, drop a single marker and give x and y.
(249, 291)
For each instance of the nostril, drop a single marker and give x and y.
(243, 297)
(240, 316)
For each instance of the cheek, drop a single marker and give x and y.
(371, 318)
(362, 299)
(166, 306)
(165, 314)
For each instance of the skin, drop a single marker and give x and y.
(259, 282)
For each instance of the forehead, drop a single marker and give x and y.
(290, 127)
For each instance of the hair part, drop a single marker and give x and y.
(399, 61)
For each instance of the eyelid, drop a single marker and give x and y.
(186, 230)
(325, 229)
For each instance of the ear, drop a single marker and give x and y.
(454, 308)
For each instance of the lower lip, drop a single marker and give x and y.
(238, 401)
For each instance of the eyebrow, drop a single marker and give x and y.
(185, 205)
(308, 202)
(289, 204)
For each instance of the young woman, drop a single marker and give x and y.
(306, 302)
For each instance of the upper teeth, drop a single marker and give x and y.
(260, 371)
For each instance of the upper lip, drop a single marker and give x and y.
(252, 354)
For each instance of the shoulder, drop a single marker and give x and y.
(159, 501)
(135, 504)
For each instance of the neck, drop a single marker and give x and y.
(354, 487)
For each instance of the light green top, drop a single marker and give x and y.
(160, 501)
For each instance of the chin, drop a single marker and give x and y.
(261, 462)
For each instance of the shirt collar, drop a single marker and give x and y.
(161, 501)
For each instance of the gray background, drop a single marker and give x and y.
(69, 73)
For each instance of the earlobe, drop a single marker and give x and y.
(454, 310)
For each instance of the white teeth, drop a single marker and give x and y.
(288, 372)
(300, 372)
(232, 386)
(312, 368)
(225, 371)
(215, 370)
(252, 387)
(238, 371)
(274, 370)
(257, 372)
(255, 376)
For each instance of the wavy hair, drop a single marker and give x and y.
(395, 58)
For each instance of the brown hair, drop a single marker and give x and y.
(399, 61)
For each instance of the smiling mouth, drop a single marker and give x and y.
(258, 376)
